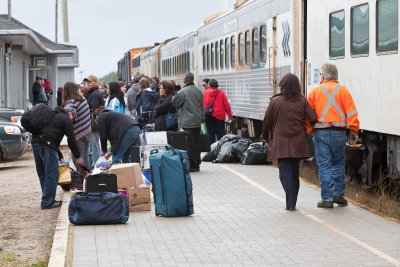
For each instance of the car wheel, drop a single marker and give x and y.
(1, 155)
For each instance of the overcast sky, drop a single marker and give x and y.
(105, 29)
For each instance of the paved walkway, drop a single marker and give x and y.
(240, 220)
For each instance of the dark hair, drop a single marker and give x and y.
(71, 90)
(290, 86)
(115, 91)
(189, 78)
(168, 87)
(206, 80)
(213, 83)
(96, 113)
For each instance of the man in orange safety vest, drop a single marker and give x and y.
(336, 112)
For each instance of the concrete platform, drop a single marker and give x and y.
(240, 220)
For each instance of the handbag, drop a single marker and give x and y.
(65, 175)
(171, 121)
(208, 110)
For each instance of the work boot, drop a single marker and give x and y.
(325, 204)
(56, 204)
(340, 200)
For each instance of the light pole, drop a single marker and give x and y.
(81, 72)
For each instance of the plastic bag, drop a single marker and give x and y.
(257, 153)
(102, 163)
(239, 148)
(65, 174)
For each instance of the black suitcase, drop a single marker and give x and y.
(178, 140)
(135, 154)
(101, 182)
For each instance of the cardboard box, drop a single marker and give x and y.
(155, 138)
(128, 175)
(139, 198)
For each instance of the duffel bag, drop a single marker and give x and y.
(98, 208)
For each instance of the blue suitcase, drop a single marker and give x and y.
(172, 184)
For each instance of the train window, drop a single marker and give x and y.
(241, 49)
(263, 44)
(336, 34)
(227, 52)
(188, 61)
(360, 30)
(247, 48)
(216, 55)
(212, 56)
(221, 51)
(233, 52)
(387, 36)
(204, 57)
(208, 57)
(254, 51)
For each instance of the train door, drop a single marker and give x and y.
(272, 55)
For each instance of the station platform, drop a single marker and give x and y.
(240, 220)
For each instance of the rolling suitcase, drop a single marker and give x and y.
(178, 140)
(98, 208)
(172, 184)
(101, 182)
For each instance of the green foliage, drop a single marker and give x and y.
(111, 77)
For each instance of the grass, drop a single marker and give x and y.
(383, 200)
(9, 259)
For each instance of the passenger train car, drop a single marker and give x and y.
(126, 68)
(249, 48)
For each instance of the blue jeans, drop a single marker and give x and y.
(123, 151)
(329, 152)
(46, 160)
(94, 149)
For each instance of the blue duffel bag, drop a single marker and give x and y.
(98, 208)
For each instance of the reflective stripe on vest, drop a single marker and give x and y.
(332, 101)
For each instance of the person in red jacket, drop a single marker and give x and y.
(215, 122)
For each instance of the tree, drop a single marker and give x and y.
(111, 77)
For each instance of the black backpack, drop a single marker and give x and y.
(35, 119)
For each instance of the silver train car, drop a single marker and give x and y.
(249, 48)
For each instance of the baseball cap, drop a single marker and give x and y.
(91, 78)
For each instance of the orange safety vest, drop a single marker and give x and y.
(334, 106)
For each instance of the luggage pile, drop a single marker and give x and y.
(109, 195)
(165, 164)
(232, 148)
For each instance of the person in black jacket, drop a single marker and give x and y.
(46, 152)
(164, 107)
(95, 100)
(121, 130)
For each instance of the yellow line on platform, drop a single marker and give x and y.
(320, 221)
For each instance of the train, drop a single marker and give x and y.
(249, 48)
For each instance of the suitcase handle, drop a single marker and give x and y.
(169, 147)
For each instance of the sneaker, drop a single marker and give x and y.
(340, 200)
(56, 204)
(325, 204)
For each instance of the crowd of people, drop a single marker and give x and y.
(100, 115)
(92, 114)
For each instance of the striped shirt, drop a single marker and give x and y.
(82, 125)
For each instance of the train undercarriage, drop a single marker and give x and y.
(376, 162)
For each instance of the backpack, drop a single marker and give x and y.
(35, 119)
